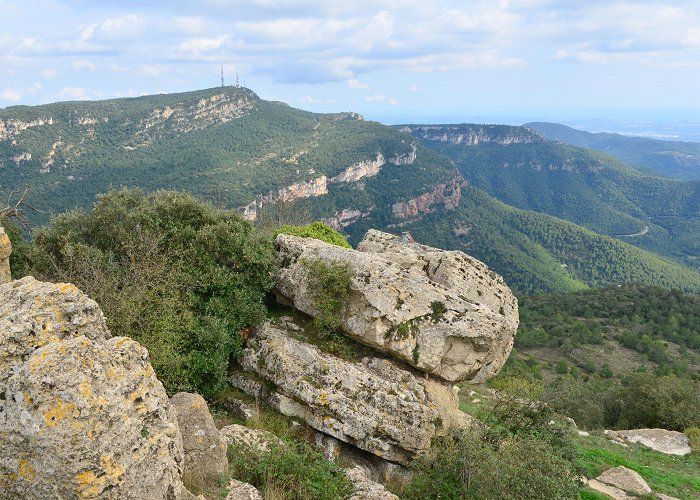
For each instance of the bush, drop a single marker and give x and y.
(693, 434)
(317, 230)
(177, 275)
(582, 401)
(472, 464)
(645, 400)
(297, 471)
(330, 286)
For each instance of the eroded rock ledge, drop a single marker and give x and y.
(374, 404)
(441, 312)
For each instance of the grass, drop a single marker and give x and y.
(672, 475)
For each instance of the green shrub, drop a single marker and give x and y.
(175, 274)
(295, 472)
(317, 230)
(330, 286)
(693, 434)
(472, 464)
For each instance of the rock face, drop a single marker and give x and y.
(82, 415)
(205, 453)
(421, 313)
(662, 440)
(365, 487)
(34, 314)
(5, 251)
(447, 194)
(625, 479)
(242, 491)
(374, 405)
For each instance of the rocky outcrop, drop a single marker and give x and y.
(81, 414)
(625, 479)
(296, 191)
(360, 170)
(205, 453)
(473, 134)
(5, 251)
(365, 487)
(447, 194)
(454, 270)
(397, 308)
(242, 491)
(34, 314)
(253, 440)
(12, 128)
(374, 404)
(662, 440)
(343, 218)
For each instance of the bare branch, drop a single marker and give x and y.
(17, 210)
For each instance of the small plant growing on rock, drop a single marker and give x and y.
(330, 286)
(438, 310)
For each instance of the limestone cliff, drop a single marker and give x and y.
(446, 194)
(473, 134)
(5, 251)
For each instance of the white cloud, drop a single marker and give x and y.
(49, 73)
(381, 98)
(74, 93)
(353, 83)
(153, 70)
(413, 88)
(196, 45)
(10, 95)
(83, 64)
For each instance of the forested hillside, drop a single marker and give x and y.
(275, 163)
(680, 160)
(586, 187)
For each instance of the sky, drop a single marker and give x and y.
(391, 60)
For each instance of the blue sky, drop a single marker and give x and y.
(391, 60)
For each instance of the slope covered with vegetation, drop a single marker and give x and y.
(588, 188)
(680, 160)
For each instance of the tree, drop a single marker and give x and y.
(179, 276)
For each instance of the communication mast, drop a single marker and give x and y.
(222, 75)
(237, 77)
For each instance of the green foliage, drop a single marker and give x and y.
(668, 158)
(20, 246)
(317, 230)
(533, 458)
(587, 188)
(293, 472)
(672, 475)
(330, 286)
(175, 274)
(693, 434)
(437, 310)
(645, 400)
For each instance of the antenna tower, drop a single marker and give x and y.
(237, 77)
(222, 75)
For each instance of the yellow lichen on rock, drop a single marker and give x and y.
(25, 469)
(58, 412)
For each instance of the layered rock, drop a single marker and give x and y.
(81, 414)
(395, 306)
(625, 479)
(374, 404)
(365, 487)
(205, 453)
(455, 270)
(447, 194)
(5, 251)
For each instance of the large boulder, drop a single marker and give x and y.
(661, 440)
(455, 270)
(373, 404)
(88, 419)
(81, 414)
(34, 314)
(5, 251)
(399, 308)
(367, 488)
(625, 479)
(205, 452)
